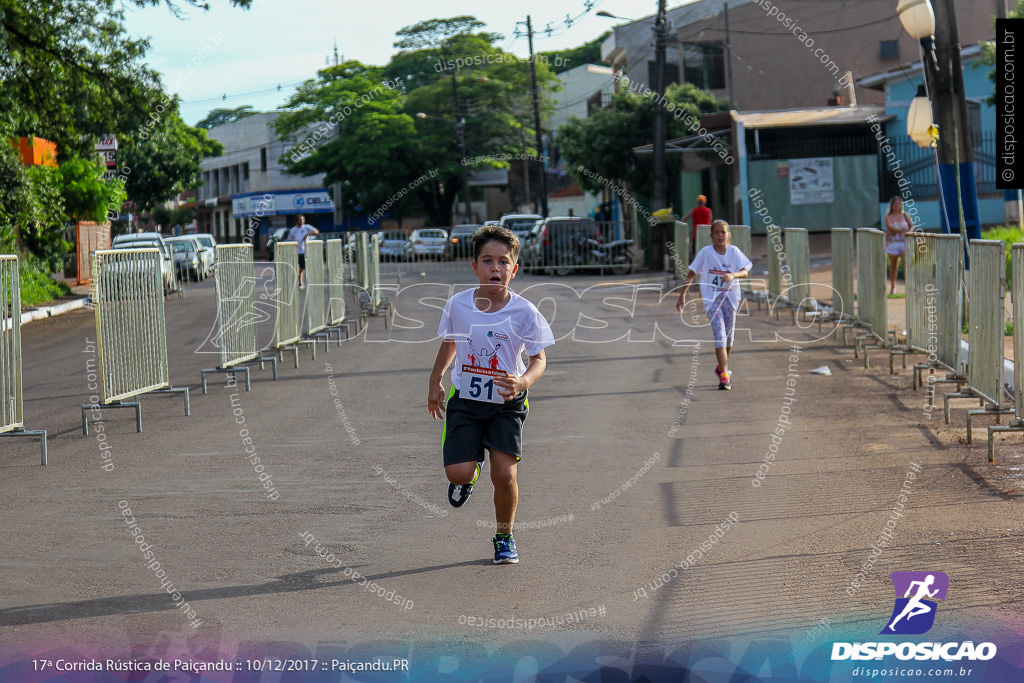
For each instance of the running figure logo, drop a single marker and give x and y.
(913, 613)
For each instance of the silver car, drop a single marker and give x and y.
(429, 242)
(149, 240)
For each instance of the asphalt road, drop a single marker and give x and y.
(641, 513)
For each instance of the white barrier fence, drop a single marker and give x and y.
(872, 309)
(843, 299)
(1017, 298)
(131, 336)
(12, 417)
(235, 276)
(287, 322)
(985, 331)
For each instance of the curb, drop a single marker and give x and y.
(50, 311)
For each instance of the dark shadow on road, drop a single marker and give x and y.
(162, 602)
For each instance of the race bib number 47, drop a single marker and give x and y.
(478, 384)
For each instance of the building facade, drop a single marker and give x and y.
(245, 193)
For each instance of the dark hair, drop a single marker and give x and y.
(495, 233)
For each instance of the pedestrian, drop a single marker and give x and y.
(701, 215)
(897, 225)
(720, 266)
(485, 331)
(300, 233)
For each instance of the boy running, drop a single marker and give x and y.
(485, 331)
(719, 264)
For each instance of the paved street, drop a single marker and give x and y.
(633, 460)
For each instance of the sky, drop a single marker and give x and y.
(228, 57)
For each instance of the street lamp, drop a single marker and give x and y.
(917, 18)
(920, 128)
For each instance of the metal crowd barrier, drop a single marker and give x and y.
(12, 418)
(131, 335)
(934, 266)
(336, 319)
(363, 260)
(985, 332)
(679, 250)
(798, 258)
(371, 301)
(287, 322)
(235, 278)
(842, 275)
(872, 306)
(776, 256)
(1017, 299)
(316, 290)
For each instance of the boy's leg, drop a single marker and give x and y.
(506, 490)
(461, 473)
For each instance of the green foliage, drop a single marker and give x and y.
(603, 143)
(1009, 236)
(164, 159)
(390, 133)
(86, 195)
(219, 117)
(36, 285)
(563, 60)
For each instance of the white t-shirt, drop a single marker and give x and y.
(493, 340)
(299, 234)
(709, 264)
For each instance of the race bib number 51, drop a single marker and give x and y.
(478, 384)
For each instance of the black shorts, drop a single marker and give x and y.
(302, 260)
(471, 426)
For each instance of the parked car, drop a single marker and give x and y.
(395, 245)
(210, 243)
(429, 242)
(529, 248)
(149, 240)
(520, 223)
(186, 258)
(279, 235)
(202, 256)
(460, 241)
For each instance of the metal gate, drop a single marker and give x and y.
(131, 336)
(12, 408)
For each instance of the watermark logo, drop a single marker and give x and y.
(913, 613)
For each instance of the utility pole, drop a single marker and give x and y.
(536, 122)
(728, 57)
(658, 186)
(460, 133)
(945, 77)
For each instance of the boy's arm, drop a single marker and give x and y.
(435, 394)
(512, 386)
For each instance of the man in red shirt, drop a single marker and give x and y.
(701, 216)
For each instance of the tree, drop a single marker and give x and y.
(164, 160)
(563, 60)
(219, 117)
(988, 54)
(87, 196)
(603, 143)
(391, 132)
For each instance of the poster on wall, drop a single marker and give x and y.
(811, 181)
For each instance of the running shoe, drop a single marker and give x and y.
(505, 550)
(718, 371)
(458, 494)
(726, 382)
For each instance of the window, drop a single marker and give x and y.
(704, 65)
(245, 171)
(671, 74)
(889, 49)
(263, 159)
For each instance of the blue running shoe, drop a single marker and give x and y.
(458, 494)
(505, 550)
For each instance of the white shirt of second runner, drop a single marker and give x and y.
(708, 263)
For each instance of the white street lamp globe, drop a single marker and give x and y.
(917, 17)
(919, 119)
